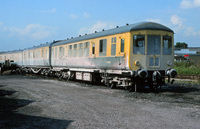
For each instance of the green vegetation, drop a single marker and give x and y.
(181, 45)
(187, 68)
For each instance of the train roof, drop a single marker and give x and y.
(38, 46)
(9, 52)
(26, 49)
(118, 30)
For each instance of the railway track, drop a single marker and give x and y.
(192, 77)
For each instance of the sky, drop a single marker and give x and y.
(28, 23)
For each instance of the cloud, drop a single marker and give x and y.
(1, 23)
(49, 11)
(189, 31)
(153, 20)
(96, 27)
(177, 22)
(73, 16)
(33, 31)
(185, 4)
(86, 15)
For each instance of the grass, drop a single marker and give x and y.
(187, 68)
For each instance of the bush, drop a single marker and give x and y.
(187, 68)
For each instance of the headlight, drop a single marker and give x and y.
(169, 63)
(137, 63)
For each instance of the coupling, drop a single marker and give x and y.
(156, 76)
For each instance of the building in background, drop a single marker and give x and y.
(187, 54)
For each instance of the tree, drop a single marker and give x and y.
(181, 45)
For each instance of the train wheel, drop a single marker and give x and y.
(134, 87)
(152, 87)
(113, 85)
(127, 88)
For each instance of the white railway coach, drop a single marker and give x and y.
(130, 56)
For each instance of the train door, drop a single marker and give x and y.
(154, 50)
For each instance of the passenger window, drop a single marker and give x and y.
(139, 44)
(46, 53)
(167, 45)
(66, 51)
(86, 49)
(113, 40)
(122, 45)
(113, 46)
(70, 51)
(38, 54)
(102, 47)
(33, 54)
(56, 52)
(61, 52)
(42, 53)
(80, 51)
(29, 55)
(75, 50)
(93, 48)
(52, 54)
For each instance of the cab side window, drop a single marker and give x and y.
(167, 45)
(139, 44)
(122, 45)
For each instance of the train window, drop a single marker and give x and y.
(93, 48)
(61, 52)
(42, 53)
(52, 52)
(38, 54)
(46, 53)
(154, 61)
(113, 46)
(122, 45)
(80, 51)
(86, 49)
(139, 44)
(56, 52)
(66, 51)
(154, 45)
(167, 45)
(113, 49)
(102, 47)
(24, 56)
(70, 47)
(70, 51)
(75, 50)
(33, 54)
(151, 61)
(29, 55)
(113, 40)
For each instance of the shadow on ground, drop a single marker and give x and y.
(170, 88)
(9, 118)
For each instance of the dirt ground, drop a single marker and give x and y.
(37, 102)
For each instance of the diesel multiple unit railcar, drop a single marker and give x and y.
(129, 56)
